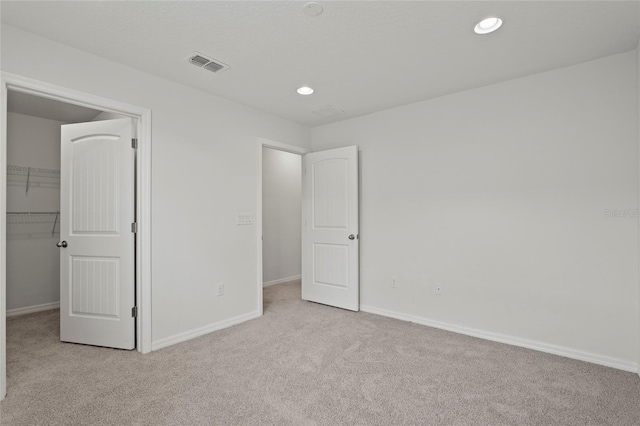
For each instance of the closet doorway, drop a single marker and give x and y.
(33, 198)
(70, 200)
(71, 219)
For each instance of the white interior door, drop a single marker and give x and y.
(97, 287)
(330, 228)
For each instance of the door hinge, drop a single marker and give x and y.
(134, 312)
(134, 143)
(134, 227)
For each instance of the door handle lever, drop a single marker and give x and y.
(62, 244)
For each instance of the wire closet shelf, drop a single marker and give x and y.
(33, 223)
(33, 176)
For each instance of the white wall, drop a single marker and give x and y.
(500, 193)
(281, 215)
(204, 172)
(33, 260)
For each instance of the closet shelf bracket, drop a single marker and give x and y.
(28, 178)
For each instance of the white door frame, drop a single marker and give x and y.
(22, 84)
(267, 143)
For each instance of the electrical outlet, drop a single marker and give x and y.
(221, 289)
(438, 288)
(394, 282)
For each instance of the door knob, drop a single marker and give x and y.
(62, 244)
(352, 237)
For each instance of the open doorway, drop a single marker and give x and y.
(281, 219)
(279, 214)
(37, 214)
(329, 248)
(33, 217)
(33, 198)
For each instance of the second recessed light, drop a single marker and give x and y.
(488, 25)
(304, 90)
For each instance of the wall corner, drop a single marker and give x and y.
(638, 144)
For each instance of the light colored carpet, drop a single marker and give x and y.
(303, 363)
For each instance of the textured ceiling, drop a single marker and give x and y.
(360, 57)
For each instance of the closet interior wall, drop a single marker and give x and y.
(33, 200)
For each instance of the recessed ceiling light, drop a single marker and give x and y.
(488, 25)
(304, 90)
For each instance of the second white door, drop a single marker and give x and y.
(330, 240)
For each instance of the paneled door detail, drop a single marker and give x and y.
(97, 246)
(330, 228)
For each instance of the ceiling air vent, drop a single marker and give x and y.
(202, 61)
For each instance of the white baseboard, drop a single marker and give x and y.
(510, 340)
(32, 309)
(197, 332)
(281, 280)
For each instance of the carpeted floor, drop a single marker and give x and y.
(303, 363)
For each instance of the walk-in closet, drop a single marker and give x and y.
(33, 199)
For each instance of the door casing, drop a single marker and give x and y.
(17, 83)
